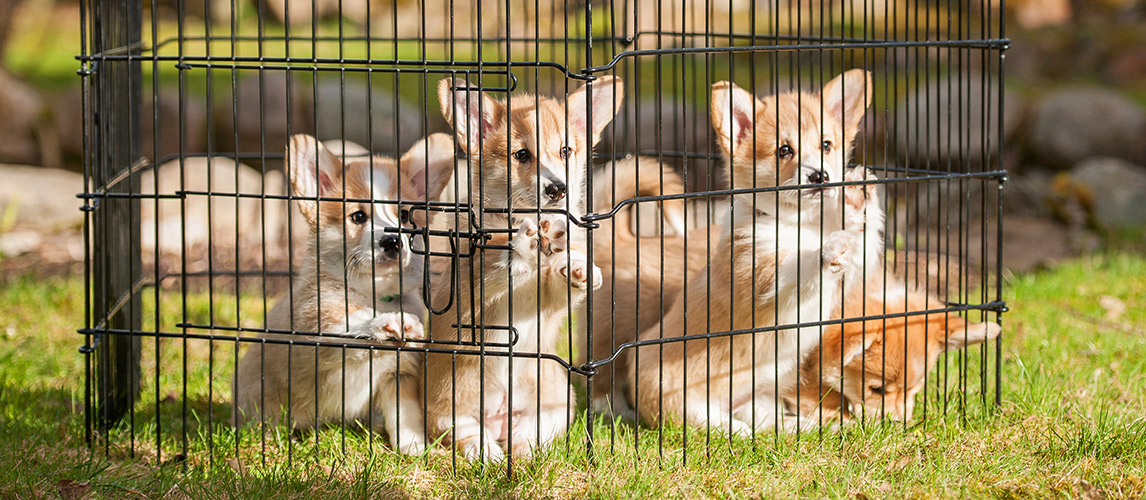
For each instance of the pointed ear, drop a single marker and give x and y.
(733, 114)
(314, 172)
(846, 98)
(473, 114)
(853, 345)
(608, 92)
(428, 165)
(961, 334)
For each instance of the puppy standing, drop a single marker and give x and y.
(884, 361)
(359, 284)
(527, 153)
(780, 260)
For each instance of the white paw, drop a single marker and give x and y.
(411, 443)
(488, 451)
(858, 197)
(554, 235)
(524, 245)
(397, 326)
(575, 268)
(837, 248)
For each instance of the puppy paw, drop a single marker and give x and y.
(858, 197)
(554, 235)
(837, 249)
(575, 268)
(397, 326)
(411, 443)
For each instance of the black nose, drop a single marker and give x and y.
(389, 244)
(555, 191)
(817, 177)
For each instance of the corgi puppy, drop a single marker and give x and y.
(526, 154)
(637, 285)
(359, 284)
(782, 260)
(884, 361)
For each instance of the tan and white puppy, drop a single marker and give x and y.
(641, 275)
(528, 153)
(782, 260)
(359, 284)
(879, 365)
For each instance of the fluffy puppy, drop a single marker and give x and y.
(782, 259)
(879, 365)
(359, 285)
(641, 276)
(525, 153)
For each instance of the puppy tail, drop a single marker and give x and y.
(634, 177)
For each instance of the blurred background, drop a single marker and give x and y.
(1075, 89)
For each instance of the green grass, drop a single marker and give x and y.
(1070, 425)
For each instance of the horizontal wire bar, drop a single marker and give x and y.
(309, 343)
(997, 306)
(989, 44)
(245, 329)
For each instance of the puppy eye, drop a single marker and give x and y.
(522, 155)
(404, 216)
(359, 217)
(877, 389)
(785, 152)
(565, 152)
(827, 146)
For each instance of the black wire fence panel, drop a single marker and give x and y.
(508, 228)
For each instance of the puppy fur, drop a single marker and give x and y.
(357, 285)
(527, 153)
(637, 284)
(884, 361)
(782, 259)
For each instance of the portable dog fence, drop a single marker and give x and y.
(192, 235)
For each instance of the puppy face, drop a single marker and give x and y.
(528, 152)
(883, 377)
(354, 233)
(794, 138)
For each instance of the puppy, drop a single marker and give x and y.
(525, 153)
(782, 259)
(884, 361)
(358, 285)
(641, 276)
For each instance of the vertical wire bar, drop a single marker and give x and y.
(999, 212)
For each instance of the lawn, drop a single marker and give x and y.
(1070, 425)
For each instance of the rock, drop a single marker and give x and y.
(40, 198)
(943, 122)
(194, 229)
(682, 129)
(355, 112)
(26, 135)
(19, 242)
(1077, 123)
(1027, 194)
(261, 105)
(1117, 191)
(162, 114)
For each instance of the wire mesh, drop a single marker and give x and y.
(504, 228)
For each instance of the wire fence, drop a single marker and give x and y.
(511, 228)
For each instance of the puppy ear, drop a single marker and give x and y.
(315, 172)
(608, 92)
(961, 334)
(833, 350)
(428, 165)
(733, 114)
(846, 98)
(472, 113)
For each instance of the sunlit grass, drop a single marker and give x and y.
(1070, 420)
